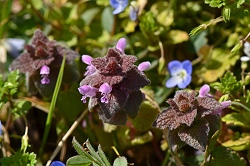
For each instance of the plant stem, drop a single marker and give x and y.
(65, 137)
(52, 106)
(240, 104)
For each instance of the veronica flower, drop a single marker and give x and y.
(114, 87)
(247, 52)
(90, 68)
(247, 48)
(14, 46)
(119, 5)
(133, 13)
(180, 74)
(1, 131)
(57, 163)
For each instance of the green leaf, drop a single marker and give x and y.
(226, 13)
(103, 156)
(222, 156)
(142, 139)
(215, 3)
(198, 29)
(213, 140)
(18, 159)
(120, 161)
(52, 105)
(230, 84)
(220, 61)
(164, 14)
(79, 149)
(78, 161)
(93, 153)
(243, 143)
(5, 11)
(107, 19)
(89, 14)
(238, 119)
(146, 115)
(237, 47)
(177, 36)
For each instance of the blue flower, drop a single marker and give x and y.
(57, 163)
(133, 11)
(14, 46)
(119, 5)
(180, 74)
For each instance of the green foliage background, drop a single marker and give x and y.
(209, 33)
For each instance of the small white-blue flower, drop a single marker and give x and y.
(14, 46)
(119, 5)
(180, 74)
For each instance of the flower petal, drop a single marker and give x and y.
(44, 70)
(121, 44)
(173, 81)
(185, 82)
(174, 67)
(144, 66)
(187, 65)
(105, 88)
(119, 9)
(204, 90)
(87, 59)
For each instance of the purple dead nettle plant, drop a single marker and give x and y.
(191, 119)
(41, 62)
(113, 83)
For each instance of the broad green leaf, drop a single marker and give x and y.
(69, 104)
(78, 161)
(222, 156)
(243, 143)
(89, 14)
(177, 36)
(238, 119)
(199, 40)
(146, 115)
(120, 161)
(213, 140)
(221, 61)
(107, 19)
